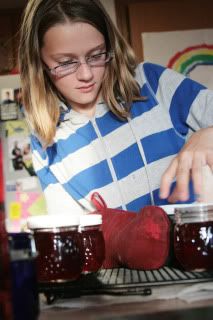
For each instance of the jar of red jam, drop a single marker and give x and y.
(193, 237)
(93, 242)
(60, 247)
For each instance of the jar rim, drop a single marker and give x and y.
(87, 220)
(53, 221)
(195, 208)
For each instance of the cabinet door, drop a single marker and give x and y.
(135, 17)
(9, 28)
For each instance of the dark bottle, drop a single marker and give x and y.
(193, 237)
(25, 296)
(93, 241)
(5, 281)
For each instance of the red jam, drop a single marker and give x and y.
(93, 241)
(193, 239)
(60, 253)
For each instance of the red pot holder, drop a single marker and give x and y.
(134, 240)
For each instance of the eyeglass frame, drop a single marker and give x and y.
(53, 71)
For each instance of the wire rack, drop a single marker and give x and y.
(122, 281)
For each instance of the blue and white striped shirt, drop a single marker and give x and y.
(122, 160)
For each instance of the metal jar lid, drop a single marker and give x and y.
(199, 212)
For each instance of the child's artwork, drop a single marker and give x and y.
(189, 52)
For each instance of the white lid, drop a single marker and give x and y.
(53, 221)
(90, 220)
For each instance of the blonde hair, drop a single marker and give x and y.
(40, 97)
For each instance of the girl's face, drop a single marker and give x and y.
(70, 42)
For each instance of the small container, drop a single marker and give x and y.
(25, 301)
(193, 237)
(93, 241)
(60, 247)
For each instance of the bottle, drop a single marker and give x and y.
(193, 237)
(93, 242)
(25, 298)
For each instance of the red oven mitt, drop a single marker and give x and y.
(134, 240)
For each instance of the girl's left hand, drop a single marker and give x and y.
(189, 163)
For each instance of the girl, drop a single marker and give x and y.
(100, 121)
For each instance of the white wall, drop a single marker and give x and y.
(9, 81)
(110, 8)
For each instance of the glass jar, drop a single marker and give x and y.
(59, 245)
(93, 242)
(193, 237)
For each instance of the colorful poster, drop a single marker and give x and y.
(32, 203)
(189, 52)
(19, 152)
(24, 196)
(26, 204)
(18, 127)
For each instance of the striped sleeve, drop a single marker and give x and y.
(189, 103)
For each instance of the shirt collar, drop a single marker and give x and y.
(68, 114)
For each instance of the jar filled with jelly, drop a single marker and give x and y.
(93, 242)
(60, 247)
(193, 237)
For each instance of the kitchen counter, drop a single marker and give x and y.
(156, 309)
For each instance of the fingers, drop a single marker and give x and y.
(199, 162)
(181, 169)
(174, 197)
(183, 176)
(167, 179)
(207, 188)
(187, 165)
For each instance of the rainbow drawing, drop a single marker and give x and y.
(186, 60)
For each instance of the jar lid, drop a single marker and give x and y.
(53, 221)
(90, 220)
(198, 212)
(170, 208)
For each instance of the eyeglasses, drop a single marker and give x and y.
(69, 67)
